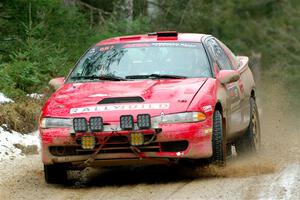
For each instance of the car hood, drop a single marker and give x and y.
(162, 95)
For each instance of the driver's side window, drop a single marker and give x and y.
(218, 54)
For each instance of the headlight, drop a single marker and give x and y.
(180, 118)
(55, 122)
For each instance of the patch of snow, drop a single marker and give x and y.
(36, 96)
(14, 144)
(4, 99)
(283, 185)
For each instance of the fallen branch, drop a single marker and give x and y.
(98, 10)
(93, 9)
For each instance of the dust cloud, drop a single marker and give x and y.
(280, 134)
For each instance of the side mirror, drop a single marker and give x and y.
(228, 76)
(56, 82)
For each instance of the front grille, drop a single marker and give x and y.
(109, 148)
(120, 144)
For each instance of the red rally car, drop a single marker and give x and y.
(150, 99)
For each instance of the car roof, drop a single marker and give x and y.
(170, 36)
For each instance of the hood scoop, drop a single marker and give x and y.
(121, 100)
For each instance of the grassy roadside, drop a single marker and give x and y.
(21, 116)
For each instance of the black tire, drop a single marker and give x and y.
(55, 174)
(218, 140)
(250, 141)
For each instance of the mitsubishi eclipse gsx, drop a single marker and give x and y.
(147, 99)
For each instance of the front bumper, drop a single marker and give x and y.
(175, 141)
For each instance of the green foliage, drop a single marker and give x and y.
(42, 39)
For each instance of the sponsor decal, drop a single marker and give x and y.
(77, 84)
(241, 85)
(98, 95)
(174, 44)
(234, 93)
(182, 100)
(106, 48)
(207, 108)
(120, 107)
(59, 106)
(208, 131)
(235, 97)
(136, 45)
(93, 50)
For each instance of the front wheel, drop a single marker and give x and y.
(218, 140)
(250, 141)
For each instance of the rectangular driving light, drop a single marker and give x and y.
(144, 121)
(126, 122)
(88, 142)
(136, 139)
(80, 125)
(96, 124)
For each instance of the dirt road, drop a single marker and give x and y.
(274, 174)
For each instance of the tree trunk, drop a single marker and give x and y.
(152, 8)
(69, 2)
(127, 9)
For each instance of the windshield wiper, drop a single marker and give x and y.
(155, 76)
(109, 77)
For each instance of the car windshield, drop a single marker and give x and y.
(157, 60)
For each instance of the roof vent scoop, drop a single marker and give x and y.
(163, 35)
(113, 100)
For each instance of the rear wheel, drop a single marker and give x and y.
(55, 173)
(218, 140)
(250, 141)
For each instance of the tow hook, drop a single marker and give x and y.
(93, 156)
(136, 151)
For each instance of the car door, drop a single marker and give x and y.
(243, 86)
(233, 90)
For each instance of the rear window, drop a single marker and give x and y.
(122, 60)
